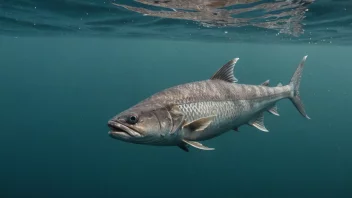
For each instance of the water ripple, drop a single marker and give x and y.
(261, 21)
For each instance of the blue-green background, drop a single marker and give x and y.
(57, 95)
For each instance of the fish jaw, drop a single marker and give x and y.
(153, 125)
(122, 132)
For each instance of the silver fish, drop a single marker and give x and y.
(188, 113)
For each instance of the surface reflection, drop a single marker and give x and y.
(285, 16)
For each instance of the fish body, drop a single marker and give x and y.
(188, 113)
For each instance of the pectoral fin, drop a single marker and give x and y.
(199, 125)
(258, 122)
(198, 145)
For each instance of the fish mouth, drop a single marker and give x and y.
(120, 130)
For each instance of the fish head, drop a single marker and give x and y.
(143, 124)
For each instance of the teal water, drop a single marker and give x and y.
(57, 95)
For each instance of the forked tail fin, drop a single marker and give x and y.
(294, 83)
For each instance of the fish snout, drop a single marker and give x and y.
(118, 129)
(111, 124)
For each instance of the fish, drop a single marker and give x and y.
(187, 114)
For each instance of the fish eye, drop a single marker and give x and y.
(133, 119)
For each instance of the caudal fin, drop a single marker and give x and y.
(294, 83)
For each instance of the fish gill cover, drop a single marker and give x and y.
(260, 21)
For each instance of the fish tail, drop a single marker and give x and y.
(295, 83)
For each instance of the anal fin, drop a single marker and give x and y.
(258, 122)
(273, 110)
(197, 145)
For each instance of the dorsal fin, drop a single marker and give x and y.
(225, 73)
(266, 83)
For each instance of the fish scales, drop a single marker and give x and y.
(185, 114)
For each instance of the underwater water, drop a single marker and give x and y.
(60, 86)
